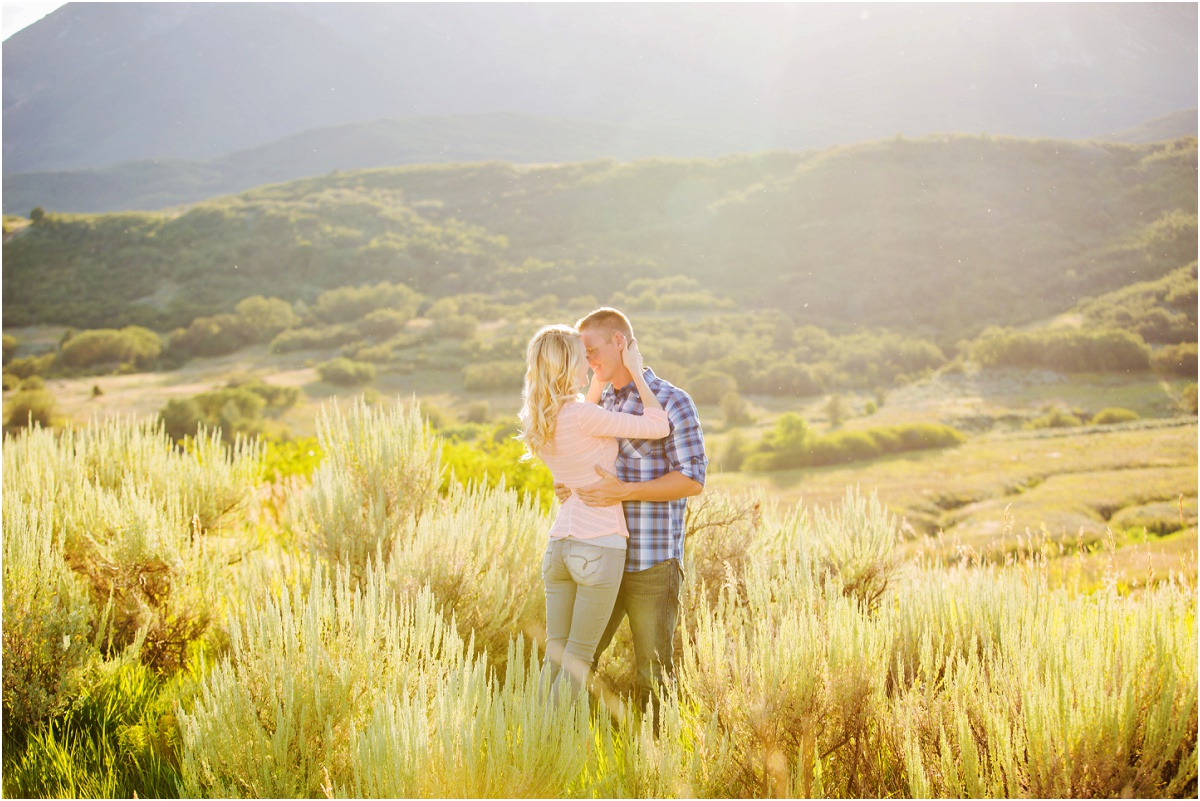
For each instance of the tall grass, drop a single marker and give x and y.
(391, 649)
(47, 613)
(380, 474)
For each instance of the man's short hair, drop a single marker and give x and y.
(608, 320)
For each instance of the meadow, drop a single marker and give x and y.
(361, 632)
(260, 485)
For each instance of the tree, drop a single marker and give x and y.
(836, 410)
(735, 410)
(263, 318)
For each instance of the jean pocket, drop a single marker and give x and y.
(593, 565)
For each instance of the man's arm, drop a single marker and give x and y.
(610, 490)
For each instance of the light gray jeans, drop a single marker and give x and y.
(581, 581)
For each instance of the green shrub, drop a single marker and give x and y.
(787, 378)
(494, 457)
(10, 347)
(47, 617)
(349, 304)
(481, 556)
(31, 407)
(1114, 414)
(920, 436)
(134, 514)
(293, 457)
(213, 336)
(457, 326)
(331, 336)
(735, 410)
(494, 376)
(381, 473)
(1058, 418)
(346, 372)
(1176, 360)
(1188, 400)
(1068, 350)
(477, 412)
(1158, 519)
(262, 319)
(27, 366)
(383, 323)
(710, 386)
(842, 446)
(236, 409)
(132, 345)
(181, 417)
(375, 354)
(792, 444)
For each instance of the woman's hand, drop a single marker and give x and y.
(630, 356)
(595, 389)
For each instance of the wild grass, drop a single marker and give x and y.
(816, 658)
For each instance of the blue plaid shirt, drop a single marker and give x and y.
(656, 527)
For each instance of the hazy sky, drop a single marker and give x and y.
(20, 15)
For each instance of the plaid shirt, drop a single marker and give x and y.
(656, 527)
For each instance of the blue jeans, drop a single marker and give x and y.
(651, 600)
(581, 585)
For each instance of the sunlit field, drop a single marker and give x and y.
(188, 622)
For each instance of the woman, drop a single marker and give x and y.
(585, 559)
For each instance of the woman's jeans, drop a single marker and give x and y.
(581, 586)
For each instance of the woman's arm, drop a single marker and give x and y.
(595, 389)
(633, 363)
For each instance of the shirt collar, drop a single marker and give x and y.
(625, 391)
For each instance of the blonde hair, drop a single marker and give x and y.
(553, 361)
(608, 320)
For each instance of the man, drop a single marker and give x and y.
(653, 480)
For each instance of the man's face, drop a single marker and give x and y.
(603, 356)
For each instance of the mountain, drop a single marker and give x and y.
(515, 138)
(1168, 126)
(940, 236)
(498, 136)
(98, 84)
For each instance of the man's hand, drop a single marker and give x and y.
(609, 491)
(562, 492)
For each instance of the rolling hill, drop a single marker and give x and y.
(940, 236)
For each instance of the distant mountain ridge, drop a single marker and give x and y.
(98, 84)
(514, 138)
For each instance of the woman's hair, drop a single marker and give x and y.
(553, 360)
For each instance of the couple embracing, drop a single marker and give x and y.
(625, 455)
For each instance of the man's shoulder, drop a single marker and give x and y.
(670, 395)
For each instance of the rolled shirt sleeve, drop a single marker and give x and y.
(685, 446)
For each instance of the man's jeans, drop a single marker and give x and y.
(581, 585)
(651, 599)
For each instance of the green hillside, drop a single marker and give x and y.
(941, 236)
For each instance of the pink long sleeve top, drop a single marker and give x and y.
(586, 438)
